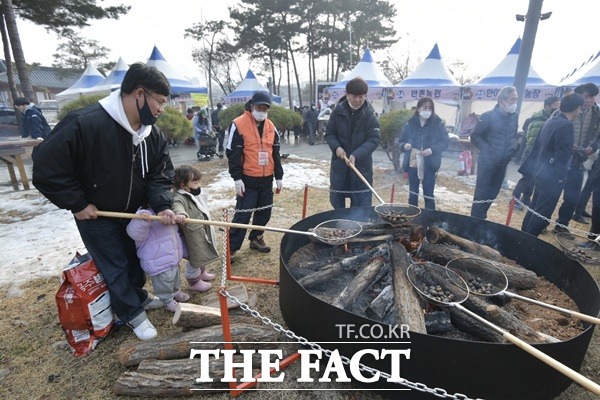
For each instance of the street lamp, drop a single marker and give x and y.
(544, 16)
(533, 17)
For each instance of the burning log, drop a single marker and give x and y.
(382, 304)
(408, 305)
(519, 278)
(363, 280)
(179, 346)
(439, 236)
(339, 267)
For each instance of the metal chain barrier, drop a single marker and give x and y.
(508, 198)
(438, 392)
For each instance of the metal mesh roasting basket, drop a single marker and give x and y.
(337, 231)
(396, 213)
(571, 246)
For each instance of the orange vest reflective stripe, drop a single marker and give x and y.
(254, 145)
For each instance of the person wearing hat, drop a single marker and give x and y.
(34, 122)
(549, 163)
(254, 161)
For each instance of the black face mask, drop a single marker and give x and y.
(146, 116)
(196, 191)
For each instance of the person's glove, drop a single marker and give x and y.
(279, 184)
(407, 147)
(240, 188)
(426, 153)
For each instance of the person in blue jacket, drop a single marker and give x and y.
(34, 122)
(423, 140)
(495, 135)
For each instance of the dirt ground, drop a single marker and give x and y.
(35, 362)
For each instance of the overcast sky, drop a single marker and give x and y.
(478, 32)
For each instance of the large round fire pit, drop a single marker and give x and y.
(476, 369)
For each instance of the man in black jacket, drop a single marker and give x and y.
(34, 122)
(549, 162)
(495, 135)
(352, 132)
(110, 157)
(217, 128)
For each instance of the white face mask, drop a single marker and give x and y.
(259, 115)
(510, 108)
(425, 114)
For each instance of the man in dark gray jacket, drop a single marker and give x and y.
(495, 135)
(352, 132)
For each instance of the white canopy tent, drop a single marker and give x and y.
(431, 79)
(90, 78)
(585, 67)
(244, 91)
(370, 72)
(178, 83)
(478, 97)
(112, 80)
(591, 74)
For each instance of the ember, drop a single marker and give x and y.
(386, 300)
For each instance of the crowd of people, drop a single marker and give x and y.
(110, 156)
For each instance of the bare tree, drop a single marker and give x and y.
(76, 51)
(15, 42)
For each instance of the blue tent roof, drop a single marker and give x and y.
(431, 79)
(368, 70)
(178, 83)
(90, 78)
(504, 75)
(246, 89)
(112, 80)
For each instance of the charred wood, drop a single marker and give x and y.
(408, 305)
(509, 322)
(438, 322)
(519, 278)
(363, 280)
(340, 266)
(382, 304)
(439, 236)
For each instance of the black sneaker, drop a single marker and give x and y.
(580, 219)
(259, 244)
(564, 231)
(588, 245)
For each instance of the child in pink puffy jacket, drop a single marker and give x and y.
(160, 249)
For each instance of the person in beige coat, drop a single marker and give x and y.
(190, 202)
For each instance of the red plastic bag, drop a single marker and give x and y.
(83, 305)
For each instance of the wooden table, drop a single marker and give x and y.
(11, 152)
